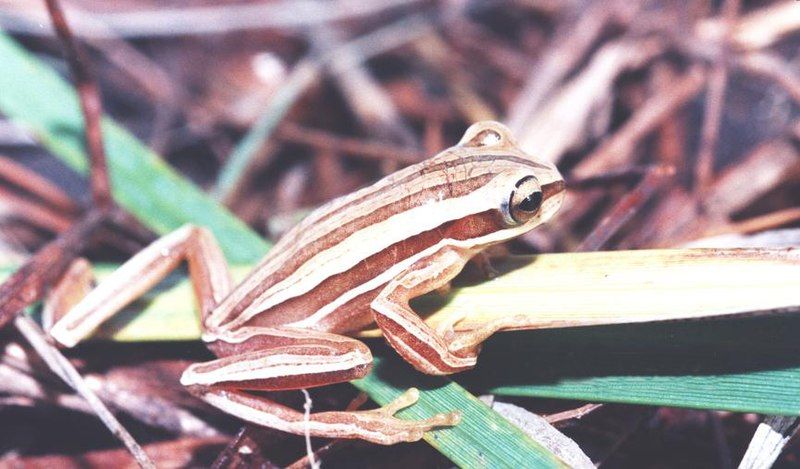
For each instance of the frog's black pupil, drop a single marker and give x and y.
(531, 203)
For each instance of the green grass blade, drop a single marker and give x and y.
(34, 96)
(232, 171)
(743, 365)
(482, 439)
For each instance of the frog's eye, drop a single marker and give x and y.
(525, 200)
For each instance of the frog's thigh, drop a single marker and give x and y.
(271, 359)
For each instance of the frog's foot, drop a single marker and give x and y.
(377, 425)
(395, 430)
(447, 328)
(469, 342)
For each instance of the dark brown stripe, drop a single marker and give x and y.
(300, 307)
(426, 167)
(338, 234)
(384, 212)
(304, 253)
(237, 302)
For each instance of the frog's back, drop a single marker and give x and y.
(339, 257)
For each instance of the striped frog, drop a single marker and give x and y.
(352, 263)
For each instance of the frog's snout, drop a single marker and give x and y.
(553, 194)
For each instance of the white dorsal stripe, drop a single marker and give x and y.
(310, 231)
(393, 272)
(366, 242)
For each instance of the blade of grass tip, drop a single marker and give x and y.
(540, 429)
(483, 438)
(770, 438)
(304, 74)
(64, 369)
(36, 97)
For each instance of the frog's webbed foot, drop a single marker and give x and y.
(447, 328)
(400, 430)
(470, 342)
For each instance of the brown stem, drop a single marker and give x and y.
(36, 185)
(626, 208)
(572, 413)
(601, 180)
(715, 100)
(28, 284)
(91, 106)
(764, 222)
(322, 140)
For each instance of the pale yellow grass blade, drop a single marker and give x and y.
(560, 290)
(555, 290)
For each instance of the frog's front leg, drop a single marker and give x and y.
(281, 358)
(424, 348)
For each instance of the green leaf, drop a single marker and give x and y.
(36, 97)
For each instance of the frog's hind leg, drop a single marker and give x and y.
(377, 425)
(207, 269)
(272, 359)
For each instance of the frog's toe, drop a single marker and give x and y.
(407, 399)
(410, 430)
